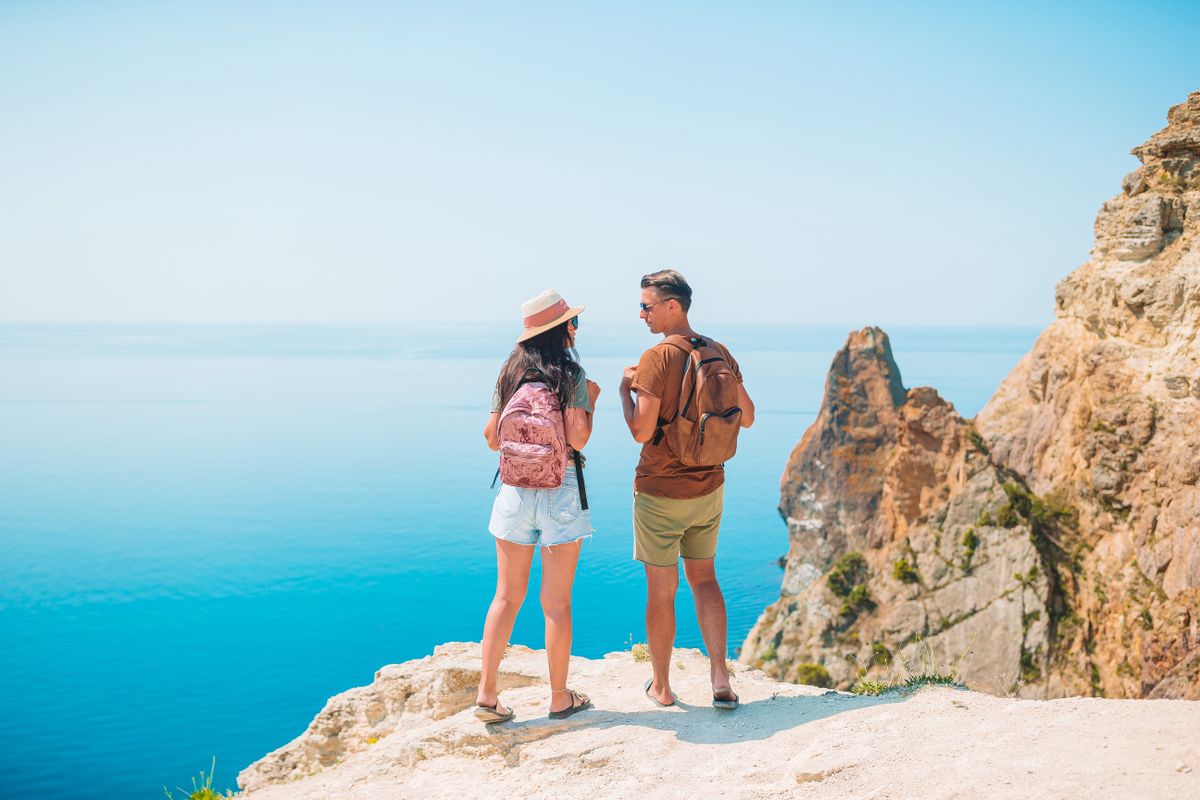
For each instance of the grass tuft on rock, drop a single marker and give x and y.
(201, 789)
(870, 687)
(907, 675)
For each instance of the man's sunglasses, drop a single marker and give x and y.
(648, 306)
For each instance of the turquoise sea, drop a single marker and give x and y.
(206, 531)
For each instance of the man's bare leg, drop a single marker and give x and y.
(710, 613)
(661, 585)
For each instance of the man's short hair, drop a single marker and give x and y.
(669, 284)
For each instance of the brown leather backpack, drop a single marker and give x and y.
(703, 432)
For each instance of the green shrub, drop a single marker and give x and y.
(813, 675)
(858, 600)
(970, 543)
(976, 440)
(903, 571)
(1044, 513)
(1030, 671)
(849, 570)
(1172, 180)
(1097, 684)
(1026, 579)
(870, 687)
(847, 580)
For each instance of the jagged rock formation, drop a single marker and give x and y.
(426, 691)
(411, 735)
(1052, 546)
(883, 498)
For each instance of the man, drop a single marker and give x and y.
(676, 508)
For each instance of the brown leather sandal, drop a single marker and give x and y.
(494, 714)
(579, 702)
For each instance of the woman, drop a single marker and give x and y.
(522, 519)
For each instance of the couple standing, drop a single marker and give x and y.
(677, 488)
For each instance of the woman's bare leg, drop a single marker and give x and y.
(558, 575)
(512, 579)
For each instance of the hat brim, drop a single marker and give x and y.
(529, 333)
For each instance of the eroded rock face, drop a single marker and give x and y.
(401, 696)
(1089, 451)
(898, 548)
(1105, 413)
(837, 467)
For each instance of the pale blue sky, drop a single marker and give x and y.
(361, 162)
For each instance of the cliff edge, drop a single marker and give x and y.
(411, 734)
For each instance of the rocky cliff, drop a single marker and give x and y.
(1051, 546)
(411, 734)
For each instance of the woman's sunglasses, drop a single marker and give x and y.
(575, 322)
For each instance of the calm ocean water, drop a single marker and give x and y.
(208, 530)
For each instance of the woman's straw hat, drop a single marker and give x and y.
(544, 312)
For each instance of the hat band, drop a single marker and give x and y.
(546, 314)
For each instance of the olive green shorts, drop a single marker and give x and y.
(665, 529)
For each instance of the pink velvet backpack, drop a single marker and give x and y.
(533, 439)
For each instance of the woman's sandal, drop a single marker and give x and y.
(579, 702)
(494, 714)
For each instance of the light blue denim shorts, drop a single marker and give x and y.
(541, 516)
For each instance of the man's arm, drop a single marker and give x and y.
(747, 406)
(641, 414)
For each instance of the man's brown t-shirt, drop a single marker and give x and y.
(659, 473)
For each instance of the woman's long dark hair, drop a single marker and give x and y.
(546, 357)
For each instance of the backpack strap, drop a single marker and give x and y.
(700, 362)
(532, 375)
(577, 457)
(583, 504)
(689, 345)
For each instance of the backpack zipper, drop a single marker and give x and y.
(704, 419)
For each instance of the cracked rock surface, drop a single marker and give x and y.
(411, 734)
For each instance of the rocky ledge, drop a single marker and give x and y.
(411, 734)
(1051, 546)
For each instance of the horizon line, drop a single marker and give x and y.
(494, 322)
